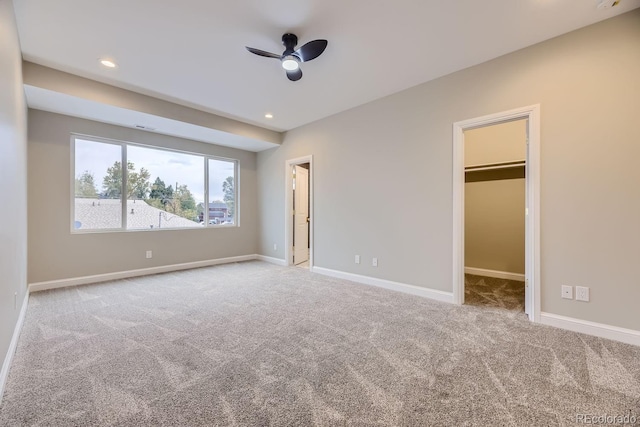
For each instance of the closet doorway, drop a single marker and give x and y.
(494, 215)
(496, 221)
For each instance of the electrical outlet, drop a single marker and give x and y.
(357, 259)
(567, 292)
(582, 293)
(275, 247)
(374, 262)
(149, 254)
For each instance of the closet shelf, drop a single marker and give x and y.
(491, 166)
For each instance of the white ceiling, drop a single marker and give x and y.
(192, 51)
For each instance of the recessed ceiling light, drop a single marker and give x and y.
(269, 116)
(108, 63)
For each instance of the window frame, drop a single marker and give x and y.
(124, 158)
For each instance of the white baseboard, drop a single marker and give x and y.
(387, 284)
(276, 261)
(6, 365)
(601, 330)
(494, 273)
(54, 284)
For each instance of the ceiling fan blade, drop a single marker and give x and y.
(311, 50)
(294, 75)
(262, 52)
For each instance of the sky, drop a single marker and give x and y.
(170, 166)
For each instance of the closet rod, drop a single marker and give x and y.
(495, 166)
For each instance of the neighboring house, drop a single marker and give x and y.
(96, 214)
(218, 211)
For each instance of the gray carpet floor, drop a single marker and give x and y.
(491, 292)
(258, 344)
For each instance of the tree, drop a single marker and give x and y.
(229, 194)
(112, 182)
(160, 191)
(184, 196)
(86, 185)
(180, 202)
(137, 182)
(200, 211)
(200, 208)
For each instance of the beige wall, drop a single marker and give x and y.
(55, 253)
(13, 176)
(494, 225)
(494, 228)
(504, 142)
(383, 171)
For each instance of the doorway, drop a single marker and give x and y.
(494, 215)
(299, 208)
(531, 116)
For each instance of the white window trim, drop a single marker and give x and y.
(123, 160)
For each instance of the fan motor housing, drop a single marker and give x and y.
(289, 41)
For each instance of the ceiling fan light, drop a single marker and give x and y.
(290, 63)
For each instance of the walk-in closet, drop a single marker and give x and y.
(495, 200)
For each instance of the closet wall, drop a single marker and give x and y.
(495, 199)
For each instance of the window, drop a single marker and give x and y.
(222, 194)
(164, 188)
(171, 185)
(95, 209)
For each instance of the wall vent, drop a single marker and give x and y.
(143, 127)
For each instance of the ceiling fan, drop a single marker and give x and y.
(291, 58)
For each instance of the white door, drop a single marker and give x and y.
(301, 215)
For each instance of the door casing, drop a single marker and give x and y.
(532, 210)
(301, 215)
(288, 209)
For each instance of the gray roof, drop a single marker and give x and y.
(96, 214)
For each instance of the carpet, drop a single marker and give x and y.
(491, 292)
(258, 344)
